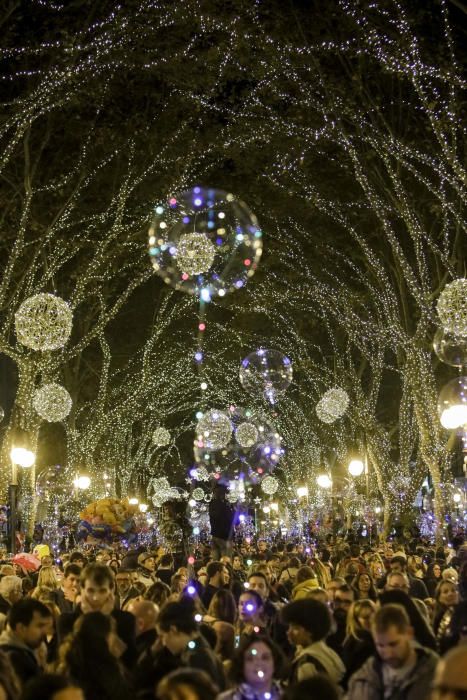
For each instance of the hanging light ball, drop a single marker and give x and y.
(52, 402)
(451, 349)
(246, 435)
(269, 484)
(214, 429)
(198, 494)
(452, 404)
(195, 253)
(2, 413)
(266, 372)
(324, 481)
(205, 241)
(452, 307)
(332, 405)
(43, 322)
(200, 474)
(232, 497)
(161, 437)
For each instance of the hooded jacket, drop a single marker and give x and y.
(367, 683)
(301, 590)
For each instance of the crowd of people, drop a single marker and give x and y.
(264, 620)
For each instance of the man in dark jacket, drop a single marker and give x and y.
(28, 623)
(221, 519)
(401, 669)
(97, 583)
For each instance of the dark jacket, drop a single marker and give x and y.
(355, 652)
(64, 605)
(126, 630)
(367, 682)
(22, 658)
(221, 517)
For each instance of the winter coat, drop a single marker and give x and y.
(316, 658)
(367, 683)
(302, 590)
(22, 658)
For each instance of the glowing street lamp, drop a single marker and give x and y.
(324, 481)
(133, 501)
(82, 482)
(20, 457)
(302, 492)
(356, 467)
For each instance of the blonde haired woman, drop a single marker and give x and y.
(48, 579)
(358, 644)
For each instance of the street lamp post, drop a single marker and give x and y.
(20, 457)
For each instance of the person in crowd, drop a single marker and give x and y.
(28, 623)
(343, 599)
(446, 598)
(146, 568)
(433, 577)
(187, 684)
(332, 586)
(50, 648)
(165, 568)
(256, 670)
(125, 589)
(180, 644)
(9, 684)
(221, 519)
(48, 578)
(97, 584)
(450, 681)
(51, 686)
(308, 624)
(250, 614)
(358, 644)
(65, 596)
(177, 583)
(318, 687)
(89, 657)
(364, 587)
(457, 631)
(158, 593)
(305, 581)
(423, 634)
(225, 641)
(217, 576)
(222, 607)
(11, 591)
(238, 569)
(400, 668)
(146, 614)
(417, 588)
(79, 559)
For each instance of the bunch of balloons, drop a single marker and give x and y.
(107, 518)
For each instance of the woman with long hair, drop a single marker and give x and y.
(446, 598)
(433, 576)
(89, 658)
(358, 644)
(222, 607)
(47, 578)
(364, 587)
(256, 670)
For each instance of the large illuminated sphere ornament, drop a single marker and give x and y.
(53, 483)
(266, 372)
(198, 494)
(204, 241)
(161, 437)
(451, 349)
(332, 405)
(269, 485)
(52, 402)
(246, 462)
(246, 434)
(452, 404)
(43, 322)
(452, 307)
(214, 430)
